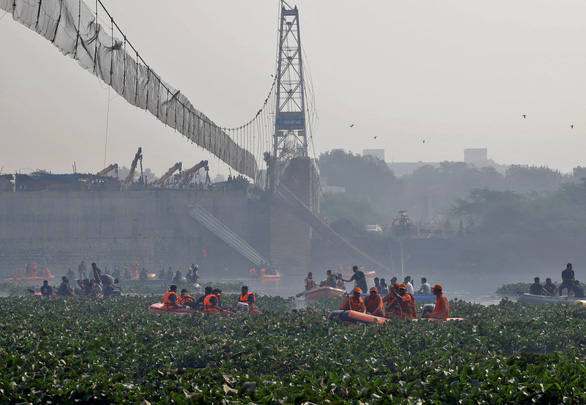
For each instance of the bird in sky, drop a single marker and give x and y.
(424, 141)
(375, 137)
(524, 116)
(351, 125)
(572, 126)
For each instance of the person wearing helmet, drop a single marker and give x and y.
(374, 303)
(403, 306)
(354, 302)
(442, 307)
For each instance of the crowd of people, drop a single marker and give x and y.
(210, 301)
(569, 284)
(98, 285)
(398, 303)
(381, 300)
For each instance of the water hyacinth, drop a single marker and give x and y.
(71, 349)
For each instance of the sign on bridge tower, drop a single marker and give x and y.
(290, 138)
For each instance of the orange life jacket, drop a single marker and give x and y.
(442, 308)
(310, 283)
(353, 304)
(404, 308)
(208, 305)
(330, 281)
(185, 299)
(244, 298)
(167, 303)
(373, 303)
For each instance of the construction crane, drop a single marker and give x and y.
(130, 178)
(104, 172)
(165, 177)
(188, 174)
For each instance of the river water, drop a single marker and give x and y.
(472, 287)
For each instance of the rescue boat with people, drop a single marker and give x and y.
(323, 292)
(417, 297)
(359, 317)
(29, 280)
(546, 299)
(160, 308)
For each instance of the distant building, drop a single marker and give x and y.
(378, 153)
(477, 157)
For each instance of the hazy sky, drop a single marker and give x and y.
(457, 74)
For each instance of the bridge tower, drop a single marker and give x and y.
(290, 164)
(290, 139)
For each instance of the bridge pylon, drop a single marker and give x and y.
(290, 139)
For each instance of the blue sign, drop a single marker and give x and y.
(290, 123)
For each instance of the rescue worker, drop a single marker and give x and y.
(185, 299)
(170, 300)
(97, 273)
(65, 289)
(310, 281)
(210, 303)
(199, 303)
(359, 278)
(246, 297)
(330, 280)
(46, 289)
(550, 287)
(568, 278)
(404, 305)
(374, 303)
(384, 287)
(218, 293)
(536, 288)
(442, 307)
(354, 302)
(390, 298)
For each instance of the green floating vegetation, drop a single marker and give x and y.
(67, 350)
(512, 290)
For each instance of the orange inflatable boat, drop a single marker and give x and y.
(359, 317)
(159, 308)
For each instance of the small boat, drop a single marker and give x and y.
(159, 308)
(270, 276)
(358, 317)
(545, 299)
(417, 297)
(38, 294)
(29, 280)
(323, 292)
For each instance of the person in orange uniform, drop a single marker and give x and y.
(374, 303)
(354, 302)
(442, 307)
(246, 297)
(310, 281)
(171, 300)
(389, 299)
(403, 306)
(185, 299)
(210, 303)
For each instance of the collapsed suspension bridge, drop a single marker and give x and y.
(93, 38)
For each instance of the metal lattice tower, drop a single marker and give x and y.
(290, 138)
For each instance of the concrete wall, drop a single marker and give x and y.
(59, 229)
(290, 238)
